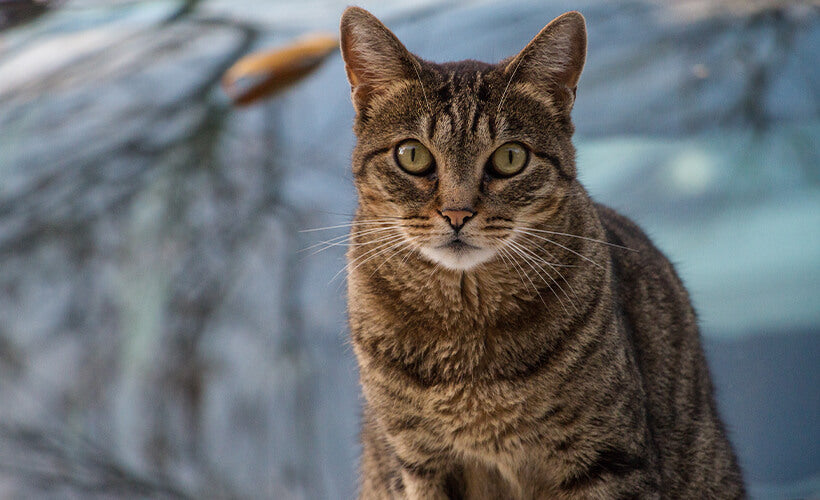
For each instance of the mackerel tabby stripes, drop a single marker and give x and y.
(542, 347)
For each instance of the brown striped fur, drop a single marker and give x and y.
(488, 371)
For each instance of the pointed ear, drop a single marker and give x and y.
(374, 58)
(555, 57)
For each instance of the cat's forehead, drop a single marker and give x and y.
(466, 67)
(461, 76)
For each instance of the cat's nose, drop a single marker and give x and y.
(457, 217)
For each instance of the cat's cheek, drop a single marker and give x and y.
(401, 189)
(494, 189)
(426, 187)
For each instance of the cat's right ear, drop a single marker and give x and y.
(374, 58)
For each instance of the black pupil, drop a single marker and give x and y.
(412, 154)
(510, 154)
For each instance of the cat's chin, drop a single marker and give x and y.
(458, 257)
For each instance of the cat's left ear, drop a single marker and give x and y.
(374, 58)
(555, 57)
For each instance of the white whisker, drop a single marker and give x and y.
(536, 258)
(379, 250)
(507, 260)
(502, 252)
(383, 250)
(504, 94)
(560, 245)
(342, 240)
(580, 237)
(534, 287)
(407, 256)
(434, 269)
(368, 252)
(405, 245)
(353, 223)
(418, 75)
(551, 265)
(525, 259)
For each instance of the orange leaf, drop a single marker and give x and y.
(261, 74)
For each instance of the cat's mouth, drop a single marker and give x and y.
(458, 254)
(459, 245)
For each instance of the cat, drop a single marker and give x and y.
(514, 338)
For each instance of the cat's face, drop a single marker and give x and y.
(461, 157)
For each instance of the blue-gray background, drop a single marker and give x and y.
(162, 335)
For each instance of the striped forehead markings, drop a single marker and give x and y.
(464, 108)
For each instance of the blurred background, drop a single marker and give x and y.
(161, 335)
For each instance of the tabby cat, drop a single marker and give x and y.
(515, 339)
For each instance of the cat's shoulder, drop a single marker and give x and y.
(619, 228)
(632, 247)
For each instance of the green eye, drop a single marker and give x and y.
(413, 157)
(509, 159)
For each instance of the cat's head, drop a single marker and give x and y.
(461, 156)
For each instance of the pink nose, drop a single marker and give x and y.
(457, 218)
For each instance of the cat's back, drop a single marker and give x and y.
(662, 327)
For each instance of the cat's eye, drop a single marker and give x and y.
(509, 159)
(413, 157)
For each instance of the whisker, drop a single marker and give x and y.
(536, 258)
(405, 245)
(383, 241)
(353, 215)
(560, 245)
(507, 262)
(551, 265)
(422, 90)
(582, 238)
(539, 246)
(348, 224)
(380, 238)
(406, 257)
(383, 250)
(379, 250)
(434, 269)
(528, 277)
(524, 257)
(337, 241)
(510, 258)
(344, 240)
(504, 94)
(502, 252)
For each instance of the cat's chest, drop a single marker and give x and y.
(481, 415)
